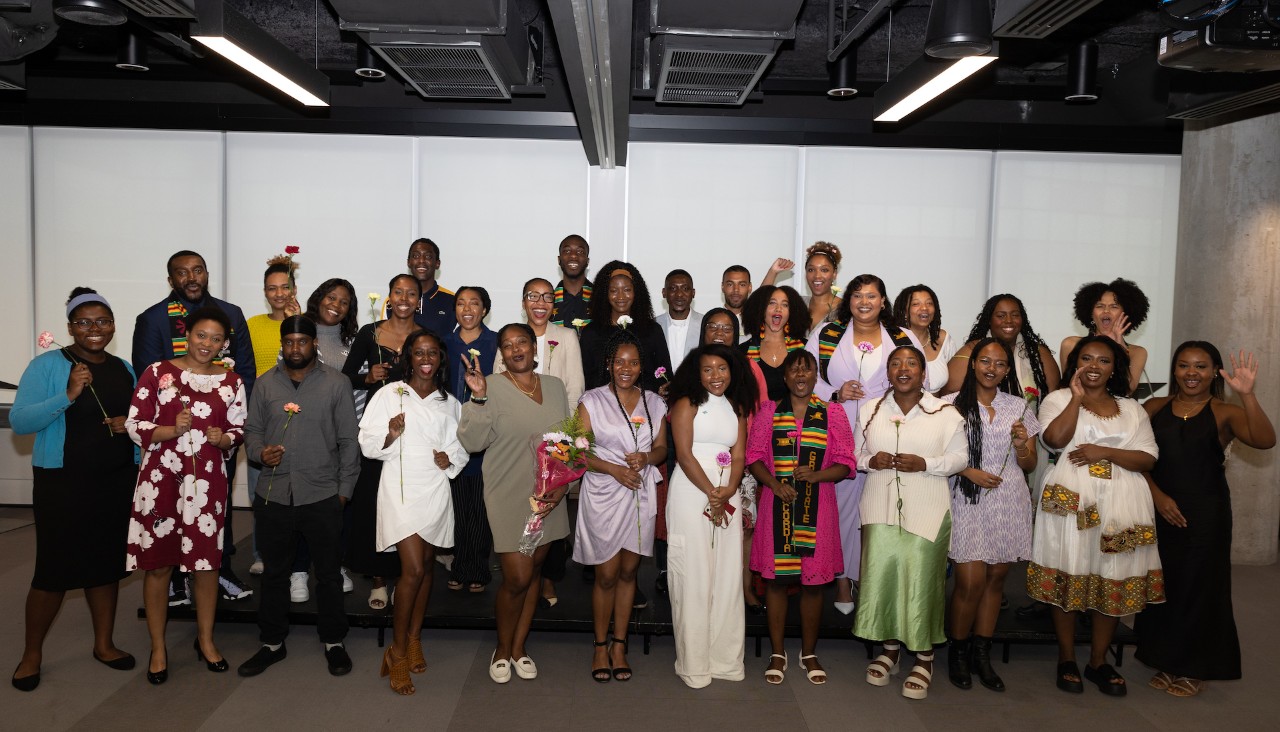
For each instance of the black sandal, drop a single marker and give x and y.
(1065, 670)
(1108, 680)
(601, 675)
(618, 671)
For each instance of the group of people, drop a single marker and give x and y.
(844, 438)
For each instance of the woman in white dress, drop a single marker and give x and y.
(917, 309)
(852, 351)
(1094, 544)
(413, 428)
(711, 396)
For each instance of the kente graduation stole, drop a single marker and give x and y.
(555, 309)
(829, 338)
(177, 313)
(795, 525)
(753, 350)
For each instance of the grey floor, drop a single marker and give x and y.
(77, 693)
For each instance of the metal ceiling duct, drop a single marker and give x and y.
(160, 9)
(1036, 18)
(958, 28)
(443, 49)
(711, 52)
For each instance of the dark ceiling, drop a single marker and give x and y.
(1018, 105)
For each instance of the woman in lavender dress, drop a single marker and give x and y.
(990, 508)
(851, 353)
(618, 504)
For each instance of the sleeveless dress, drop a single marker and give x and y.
(1094, 544)
(705, 581)
(1194, 633)
(612, 517)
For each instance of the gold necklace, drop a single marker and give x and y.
(1194, 407)
(536, 383)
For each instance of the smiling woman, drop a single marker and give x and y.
(81, 505)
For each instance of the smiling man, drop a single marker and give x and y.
(573, 291)
(435, 306)
(681, 323)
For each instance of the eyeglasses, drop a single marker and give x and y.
(719, 327)
(543, 296)
(85, 323)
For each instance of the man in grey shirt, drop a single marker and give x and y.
(302, 428)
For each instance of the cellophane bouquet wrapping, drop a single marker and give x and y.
(559, 458)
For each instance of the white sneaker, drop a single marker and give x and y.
(255, 569)
(298, 591)
(347, 584)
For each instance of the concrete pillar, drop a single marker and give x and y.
(1227, 291)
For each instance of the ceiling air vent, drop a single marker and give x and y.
(10, 86)
(455, 67)
(175, 9)
(1036, 18)
(1207, 107)
(710, 70)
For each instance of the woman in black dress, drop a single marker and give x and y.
(74, 400)
(622, 300)
(373, 362)
(1192, 637)
(776, 322)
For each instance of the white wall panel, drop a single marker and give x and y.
(498, 209)
(908, 216)
(704, 207)
(111, 206)
(345, 200)
(15, 251)
(1061, 220)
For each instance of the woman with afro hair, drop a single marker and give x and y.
(1111, 309)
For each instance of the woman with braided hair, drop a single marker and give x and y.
(618, 503)
(622, 300)
(1004, 318)
(990, 508)
(910, 442)
(917, 308)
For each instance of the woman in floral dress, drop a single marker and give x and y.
(186, 414)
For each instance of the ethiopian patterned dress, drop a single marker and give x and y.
(1094, 546)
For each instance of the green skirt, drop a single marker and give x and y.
(904, 586)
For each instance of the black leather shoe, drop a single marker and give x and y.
(217, 667)
(123, 663)
(26, 683)
(262, 659)
(958, 670)
(1033, 609)
(981, 660)
(339, 661)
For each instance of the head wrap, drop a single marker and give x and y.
(85, 299)
(297, 324)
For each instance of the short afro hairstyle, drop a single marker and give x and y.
(1131, 298)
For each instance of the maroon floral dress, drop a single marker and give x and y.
(180, 501)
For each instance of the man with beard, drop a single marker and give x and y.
(302, 427)
(573, 292)
(159, 334)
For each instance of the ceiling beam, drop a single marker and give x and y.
(594, 39)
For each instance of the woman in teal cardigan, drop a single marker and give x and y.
(74, 400)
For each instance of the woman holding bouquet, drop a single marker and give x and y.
(74, 400)
(798, 449)
(186, 414)
(711, 397)
(990, 508)
(506, 412)
(617, 506)
(412, 428)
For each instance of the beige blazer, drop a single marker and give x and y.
(563, 361)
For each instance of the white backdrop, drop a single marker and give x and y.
(107, 207)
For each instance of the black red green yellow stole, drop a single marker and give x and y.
(753, 349)
(830, 335)
(177, 313)
(795, 524)
(559, 293)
